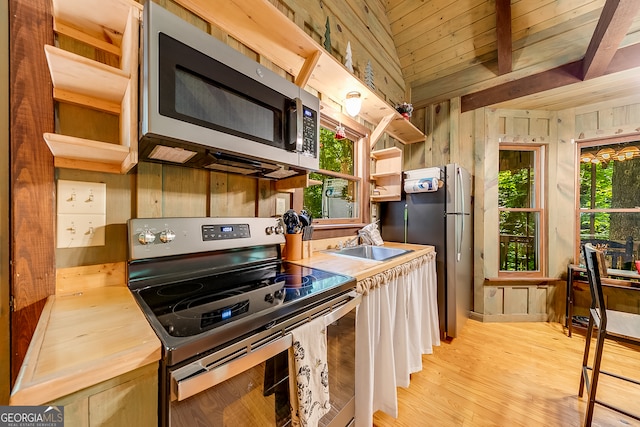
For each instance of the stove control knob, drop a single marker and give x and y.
(146, 237)
(279, 229)
(167, 236)
(269, 230)
(269, 298)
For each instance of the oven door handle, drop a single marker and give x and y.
(189, 383)
(184, 388)
(344, 309)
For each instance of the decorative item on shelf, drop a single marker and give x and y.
(368, 76)
(353, 103)
(405, 109)
(327, 36)
(341, 133)
(348, 59)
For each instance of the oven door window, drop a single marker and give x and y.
(341, 355)
(200, 90)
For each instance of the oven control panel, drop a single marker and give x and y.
(155, 237)
(225, 231)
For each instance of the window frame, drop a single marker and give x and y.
(359, 134)
(540, 208)
(594, 142)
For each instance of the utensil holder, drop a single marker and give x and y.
(293, 246)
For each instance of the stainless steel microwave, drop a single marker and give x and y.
(206, 105)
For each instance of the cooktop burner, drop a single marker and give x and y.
(192, 307)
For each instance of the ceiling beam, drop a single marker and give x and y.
(503, 35)
(624, 59)
(614, 23)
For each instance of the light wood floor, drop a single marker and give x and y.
(513, 374)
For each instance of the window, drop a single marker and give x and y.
(338, 195)
(521, 211)
(609, 211)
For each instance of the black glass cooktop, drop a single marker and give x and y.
(192, 307)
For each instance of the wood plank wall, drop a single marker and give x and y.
(5, 274)
(449, 137)
(362, 23)
(163, 190)
(559, 132)
(32, 231)
(509, 301)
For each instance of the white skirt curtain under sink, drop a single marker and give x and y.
(396, 323)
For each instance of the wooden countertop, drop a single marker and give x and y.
(361, 268)
(81, 340)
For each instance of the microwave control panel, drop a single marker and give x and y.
(309, 132)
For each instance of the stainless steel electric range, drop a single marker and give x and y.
(222, 301)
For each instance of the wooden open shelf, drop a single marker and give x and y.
(80, 80)
(111, 26)
(80, 153)
(262, 27)
(388, 174)
(384, 198)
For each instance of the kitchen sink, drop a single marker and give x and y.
(378, 253)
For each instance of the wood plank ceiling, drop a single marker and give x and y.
(527, 54)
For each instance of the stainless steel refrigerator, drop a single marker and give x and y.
(442, 219)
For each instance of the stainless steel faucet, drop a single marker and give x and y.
(353, 242)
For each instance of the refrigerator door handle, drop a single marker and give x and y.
(462, 210)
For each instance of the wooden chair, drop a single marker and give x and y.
(615, 325)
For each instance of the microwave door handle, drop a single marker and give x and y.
(295, 123)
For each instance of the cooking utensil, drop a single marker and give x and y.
(305, 221)
(305, 217)
(307, 232)
(291, 221)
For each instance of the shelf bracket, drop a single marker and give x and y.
(307, 69)
(379, 130)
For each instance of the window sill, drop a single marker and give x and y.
(497, 281)
(324, 231)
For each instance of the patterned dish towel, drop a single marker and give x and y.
(309, 374)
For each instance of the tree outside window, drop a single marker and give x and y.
(609, 212)
(520, 209)
(338, 194)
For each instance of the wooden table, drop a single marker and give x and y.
(615, 278)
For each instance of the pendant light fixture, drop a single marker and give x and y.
(353, 103)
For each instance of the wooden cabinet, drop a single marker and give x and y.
(387, 177)
(111, 26)
(128, 400)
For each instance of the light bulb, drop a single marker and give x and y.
(352, 103)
